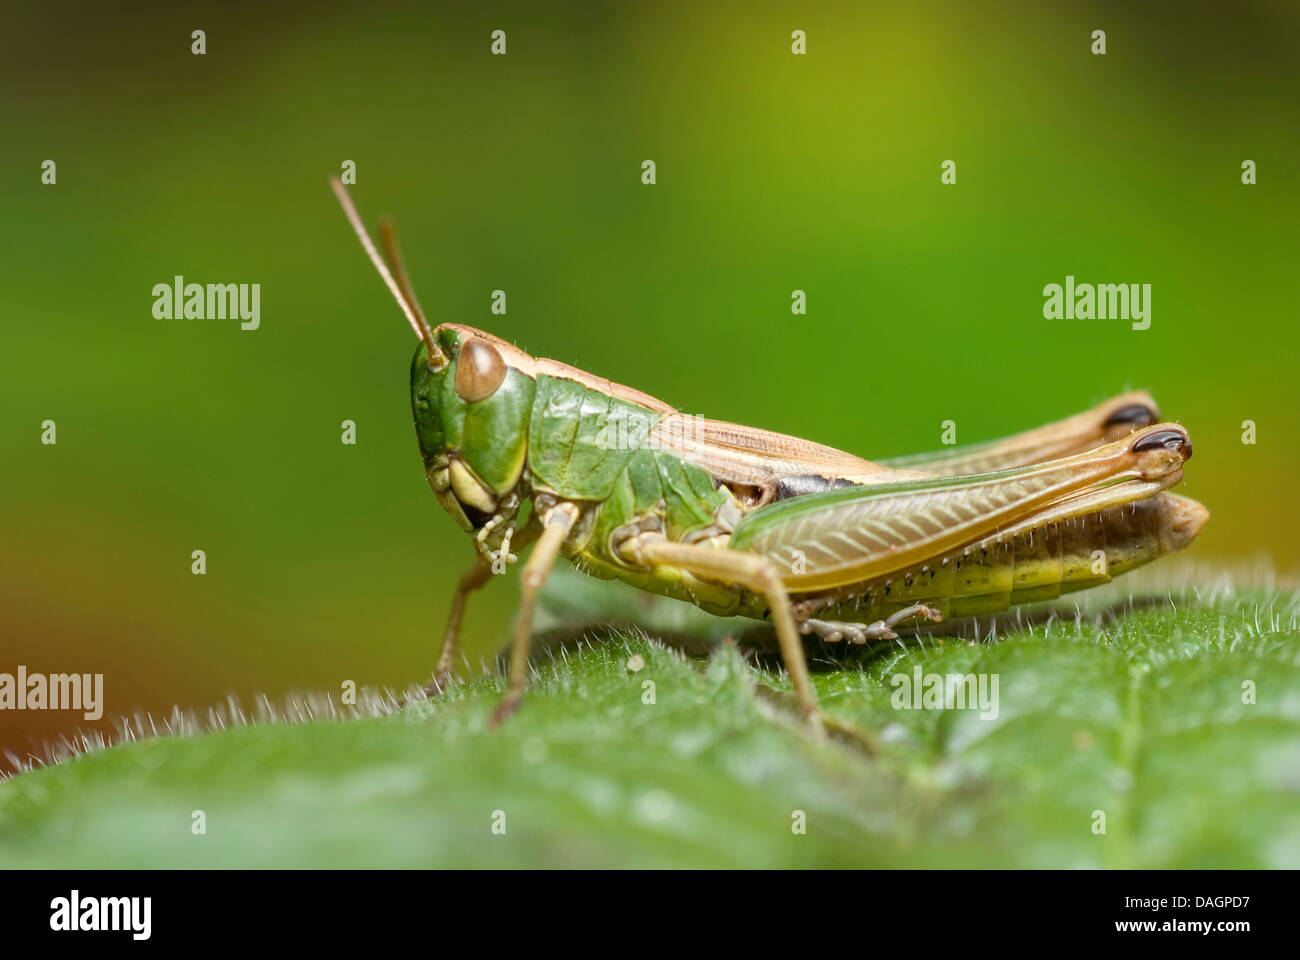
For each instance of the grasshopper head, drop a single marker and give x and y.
(471, 395)
(471, 420)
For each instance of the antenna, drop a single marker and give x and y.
(400, 288)
(388, 239)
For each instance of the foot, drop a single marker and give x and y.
(506, 708)
(845, 731)
(833, 631)
(816, 721)
(439, 684)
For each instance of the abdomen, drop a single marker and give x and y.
(997, 573)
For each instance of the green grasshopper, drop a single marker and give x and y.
(743, 521)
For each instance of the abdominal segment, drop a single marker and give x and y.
(999, 572)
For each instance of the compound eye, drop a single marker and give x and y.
(479, 370)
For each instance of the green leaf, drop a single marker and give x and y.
(1136, 712)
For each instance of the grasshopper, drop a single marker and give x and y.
(742, 521)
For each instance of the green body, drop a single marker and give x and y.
(544, 436)
(582, 445)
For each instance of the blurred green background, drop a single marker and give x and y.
(775, 172)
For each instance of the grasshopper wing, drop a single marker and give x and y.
(845, 536)
(1108, 421)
